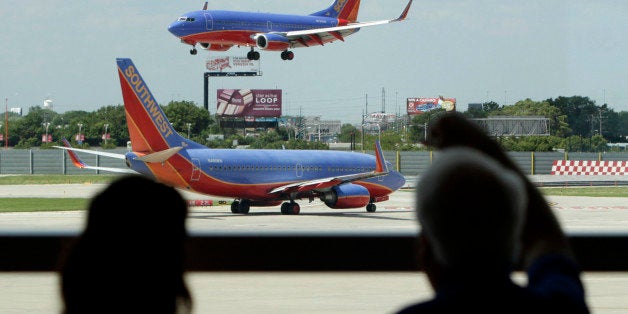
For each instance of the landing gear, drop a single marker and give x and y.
(252, 55)
(371, 208)
(193, 51)
(290, 208)
(287, 55)
(240, 207)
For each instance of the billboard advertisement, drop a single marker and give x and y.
(249, 102)
(230, 64)
(423, 105)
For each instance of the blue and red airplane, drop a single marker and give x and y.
(253, 177)
(220, 30)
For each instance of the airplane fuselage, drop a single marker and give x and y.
(252, 174)
(233, 28)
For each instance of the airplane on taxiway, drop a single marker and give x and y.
(253, 177)
(220, 30)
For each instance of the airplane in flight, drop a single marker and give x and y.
(253, 177)
(219, 30)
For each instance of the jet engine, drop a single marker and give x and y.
(346, 196)
(271, 41)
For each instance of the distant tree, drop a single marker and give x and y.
(580, 112)
(528, 107)
(180, 113)
(30, 128)
(346, 131)
(420, 122)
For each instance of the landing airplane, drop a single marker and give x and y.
(220, 30)
(254, 177)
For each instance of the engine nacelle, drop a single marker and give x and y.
(347, 196)
(272, 42)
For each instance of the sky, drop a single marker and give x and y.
(474, 51)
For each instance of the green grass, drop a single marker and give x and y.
(42, 204)
(606, 191)
(55, 179)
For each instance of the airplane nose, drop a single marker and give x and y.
(175, 29)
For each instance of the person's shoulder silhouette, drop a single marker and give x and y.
(130, 256)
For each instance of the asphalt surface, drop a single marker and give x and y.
(259, 292)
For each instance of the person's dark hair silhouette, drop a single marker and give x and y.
(130, 256)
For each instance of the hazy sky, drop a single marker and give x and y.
(474, 51)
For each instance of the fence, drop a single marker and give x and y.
(409, 163)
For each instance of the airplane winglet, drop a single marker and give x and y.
(380, 165)
(404, 14)
(73, 156)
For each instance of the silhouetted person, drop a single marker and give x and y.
(480, 218)
(130, 256)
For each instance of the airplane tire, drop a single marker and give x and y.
(371, 208)
(285, 210)
(295, 209)
(244, 207)
(234, 207)
(193, 51)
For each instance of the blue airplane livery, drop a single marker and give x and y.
(219, 30)
(253, 177)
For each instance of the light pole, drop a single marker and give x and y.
(80, 138)
(46, 125)
(189, 125)
(379, 132)
(319, 132)
(106, 127)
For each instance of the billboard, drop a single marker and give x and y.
(248, 102)
(423, 105)
(232, 65)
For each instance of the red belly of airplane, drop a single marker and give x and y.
(237, 38)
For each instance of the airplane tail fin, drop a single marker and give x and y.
(342, 9)
(149, 129)
(380, 165)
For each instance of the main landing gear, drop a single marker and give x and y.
(193, 51)
(290, 208)
(252, 55)
(241, 207)
(287, 55)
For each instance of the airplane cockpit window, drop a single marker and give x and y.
(186, 19)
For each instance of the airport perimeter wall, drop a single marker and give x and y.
(409, 163)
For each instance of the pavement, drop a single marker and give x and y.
(302, 292)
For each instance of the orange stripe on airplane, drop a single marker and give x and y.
(141, 118)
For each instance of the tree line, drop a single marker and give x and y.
(576, 124)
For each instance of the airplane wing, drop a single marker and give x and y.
(326, 183)
(321, 35)
(80, 164)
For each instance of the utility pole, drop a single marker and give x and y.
(6, 124)
(383, 100)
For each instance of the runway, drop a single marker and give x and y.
(336, 292)
(577, 214)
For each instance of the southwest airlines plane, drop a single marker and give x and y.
(253, 177)
(220, 30)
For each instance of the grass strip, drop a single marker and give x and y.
(42, 204)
